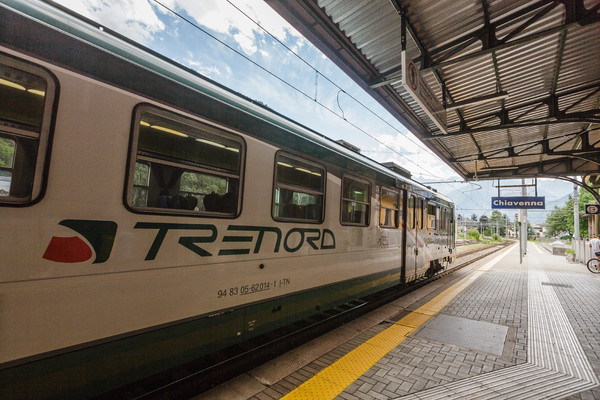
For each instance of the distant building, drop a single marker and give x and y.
(539, 230)
(464, 224)
(511, 232)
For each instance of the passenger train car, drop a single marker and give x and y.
(151, 216)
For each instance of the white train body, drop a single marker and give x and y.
(82, 265)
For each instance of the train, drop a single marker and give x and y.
(151, 216)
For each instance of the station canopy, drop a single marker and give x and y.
(497, 89)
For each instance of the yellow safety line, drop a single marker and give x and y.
(332, 380)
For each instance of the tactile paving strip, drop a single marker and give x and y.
(331, 381)
(556, 363)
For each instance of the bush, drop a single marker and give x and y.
(496, 237)
(473, 234)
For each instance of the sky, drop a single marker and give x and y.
(247, 47)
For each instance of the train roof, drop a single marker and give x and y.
(80, 28)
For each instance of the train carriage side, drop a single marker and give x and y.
(151, 217)
(429, 232)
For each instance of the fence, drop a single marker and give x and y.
(582, 250)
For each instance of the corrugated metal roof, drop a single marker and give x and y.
(544, 54)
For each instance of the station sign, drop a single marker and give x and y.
(519, 203)
(417, 87)
(592, 209)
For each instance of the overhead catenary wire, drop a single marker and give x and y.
(196, 26)
(314, 96)
(325, 77)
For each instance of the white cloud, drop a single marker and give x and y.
(135, 19)
(222, 17)
(138, 19)
(247, 43)
(209, 71)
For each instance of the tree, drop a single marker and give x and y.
(498, 221)
(7, 152)
(496, 216)
(474, 217)
(557, 222)
(585, 197)
(483, 222)
(561, 220)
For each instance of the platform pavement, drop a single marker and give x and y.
(537, 335)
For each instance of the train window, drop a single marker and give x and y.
(411, 212)
(419, 214)
(450, 221)
(184, 166)
(355, 201)
(141, 183)
(7, 160)
(389, 208)
(299, 190)
(200, 186)
(444, 219)
(27, 94)
(431, 209)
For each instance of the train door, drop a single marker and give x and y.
(415, 240)
(442, 227)
(391, 210)
(410, 236)
(422, 237)
(451, 228)
(447, 227)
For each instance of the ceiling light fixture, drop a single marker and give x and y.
(478, 100)
(38, 92)
(168, 130)
(13, 85)
(211, 143)
(498, 168)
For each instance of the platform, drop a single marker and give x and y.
(496, 329)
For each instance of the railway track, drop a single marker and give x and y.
(198, 376)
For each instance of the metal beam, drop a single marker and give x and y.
(586, 17)
(484, 31)
(591, 190)
(573, 153)
(537, 103)
(583, 117)
(549, 168)
(544, 142)
(512, 27)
